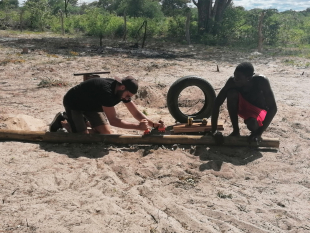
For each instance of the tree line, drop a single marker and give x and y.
(210, 22)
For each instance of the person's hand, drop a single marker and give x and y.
(159, 125)
(255, 138)
(143, 125)
(218, 137)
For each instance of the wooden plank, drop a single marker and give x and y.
(40, 136)
(99, 72)
(196, 127)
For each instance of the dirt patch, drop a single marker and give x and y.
(21, 122)
(148, 188)
(152, 96)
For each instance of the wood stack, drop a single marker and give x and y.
(196, 127)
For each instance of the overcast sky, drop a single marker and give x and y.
(280, 5)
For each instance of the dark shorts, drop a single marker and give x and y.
(77, 119)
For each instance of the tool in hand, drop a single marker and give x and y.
(147, 131)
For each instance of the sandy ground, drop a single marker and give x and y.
(64, 187)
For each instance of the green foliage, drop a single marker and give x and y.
(154, 28)
(8, 4)
(102, 24)
(39, 13)
(72, 24)
(174, 7)
(140, 8)
(176, 27)
(57, 5)
(49, 82)
(104, 19)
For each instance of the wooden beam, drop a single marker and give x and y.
(90, 73)
(41, 136)
(196, 127)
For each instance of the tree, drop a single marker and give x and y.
(210, 15)
(8, 4)
(66, 7)
(39, 13)
(173, 7)
(72, 2)
(140, 8)
(109, 5)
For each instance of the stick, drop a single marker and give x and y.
(100, 72)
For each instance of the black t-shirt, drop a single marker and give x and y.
(92, 94)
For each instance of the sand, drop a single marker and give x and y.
(47, 187)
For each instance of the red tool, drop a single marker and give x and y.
(162, 130)
(147, 131)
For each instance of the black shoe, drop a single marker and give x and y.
(56, 123)
(64, 114)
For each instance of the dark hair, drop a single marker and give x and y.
(245, 68)
(130, 83)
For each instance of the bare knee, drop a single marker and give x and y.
(252, 124)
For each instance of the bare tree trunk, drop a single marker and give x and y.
(209, 17)
(188, 21)
(204, 11)
(218, 12)
(144, 36)
(62, 22)
(260, 33)
(125, 27)
(66, 7)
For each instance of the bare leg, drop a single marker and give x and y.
(252, 124)
(65, 124)
(103, 129)
(232, 106)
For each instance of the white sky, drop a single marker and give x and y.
(280, 5)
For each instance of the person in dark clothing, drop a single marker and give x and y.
(249, 96)
(94, 100)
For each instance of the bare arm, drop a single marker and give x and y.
(115, 121)
(219, 100)
(138, 115)
(271, 104)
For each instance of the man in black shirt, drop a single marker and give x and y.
(95, 99)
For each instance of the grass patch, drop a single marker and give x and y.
(8, 60)
(48, 82)
(220, 194)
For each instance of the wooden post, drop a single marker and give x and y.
(144, 36)
(41, 136)
(260, 33)
(188, 21)
(125, 27)
(21, 19)
(62, 22)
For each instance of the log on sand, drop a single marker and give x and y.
(41, 136)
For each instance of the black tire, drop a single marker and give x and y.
(178, 86)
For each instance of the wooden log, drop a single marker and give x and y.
(41, 136)
(196, 127)
(99, 72)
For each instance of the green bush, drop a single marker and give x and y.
(176, 28)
